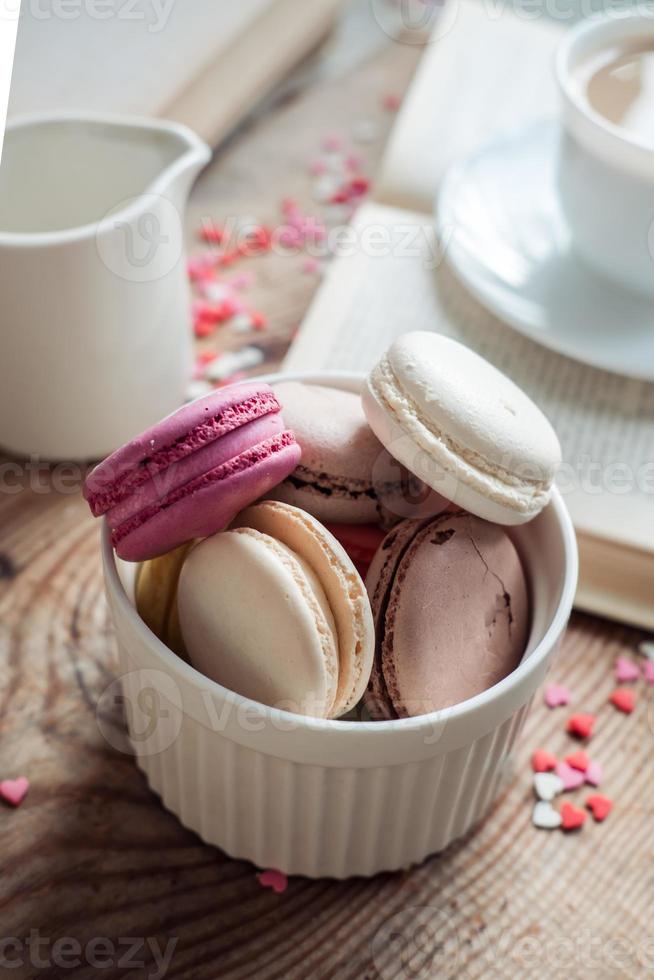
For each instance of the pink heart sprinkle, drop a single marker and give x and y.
(594, 773)
(626, 670)
(648, 671)
(571, 778)
(276, 880)
(14, 790)
(557, 695)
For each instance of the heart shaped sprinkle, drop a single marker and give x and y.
(276, 880)
(545, 816)
(547, 785)
(594, 774)
(578, 760)
(648, 671)
(543, 761)
(14, 790)
(624, 699)
(600, 806)
(581, 726)
(626, 670)
(557, 695)
(646, 649)
(572, 818)
(571, 778)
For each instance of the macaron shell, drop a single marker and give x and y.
(204, 460)
(477, 406)
(457, 615)
(379, 581)
(345, 472)
(342, 585)
(251, 622)
(156, 596)
(447, 474)
(209, 506)
(181, 433)
(346, 476)
(463, 428)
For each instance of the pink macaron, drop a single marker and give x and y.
(189, 475)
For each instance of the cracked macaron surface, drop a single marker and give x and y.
(188, 475)
(451, 610)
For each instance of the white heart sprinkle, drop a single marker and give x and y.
(545, 816)
(646, 649)
(547, 785)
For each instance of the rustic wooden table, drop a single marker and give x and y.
(96, 877)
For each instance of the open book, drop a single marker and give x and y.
(200, 62)
(491, 71)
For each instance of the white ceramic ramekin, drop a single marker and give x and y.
(332, 798)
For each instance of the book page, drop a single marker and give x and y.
(131, 57)
(391, 279)
(488, 69)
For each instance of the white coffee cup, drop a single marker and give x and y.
(606, 173)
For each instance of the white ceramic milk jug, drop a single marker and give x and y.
(94, 308)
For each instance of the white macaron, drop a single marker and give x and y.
(463, 427)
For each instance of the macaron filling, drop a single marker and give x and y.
(245, 460)
(303, 478)
(486, 477)
(231, 417)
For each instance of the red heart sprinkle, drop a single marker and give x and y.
(543, 761)
(624, 699)
(276, 880)
(14, 790)
(572, 817)
(581, 725)
(578, 760)
(600, 806)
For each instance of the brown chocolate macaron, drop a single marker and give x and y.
(451, 610)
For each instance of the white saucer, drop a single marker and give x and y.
(499, 223)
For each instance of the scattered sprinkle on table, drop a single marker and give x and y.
(646, 649)
(14, 791)
(543, 761)
(624, 699)
(545, 816)
(581, 725)
(594, 773)
(572, 817)
(556, 695)
(547, 785)
(626, 670)
(600, 806)
(571, 778)
(578, 760)
(276, 880)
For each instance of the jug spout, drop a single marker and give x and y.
(177, 178)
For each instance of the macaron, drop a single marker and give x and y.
(155, 595)
(463, 427)
(451, 610)
(189, 475)
(345, 475)
(274, 610)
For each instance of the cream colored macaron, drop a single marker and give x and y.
(274, 609)
(463, 427)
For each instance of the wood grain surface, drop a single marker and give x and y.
(92, 858)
